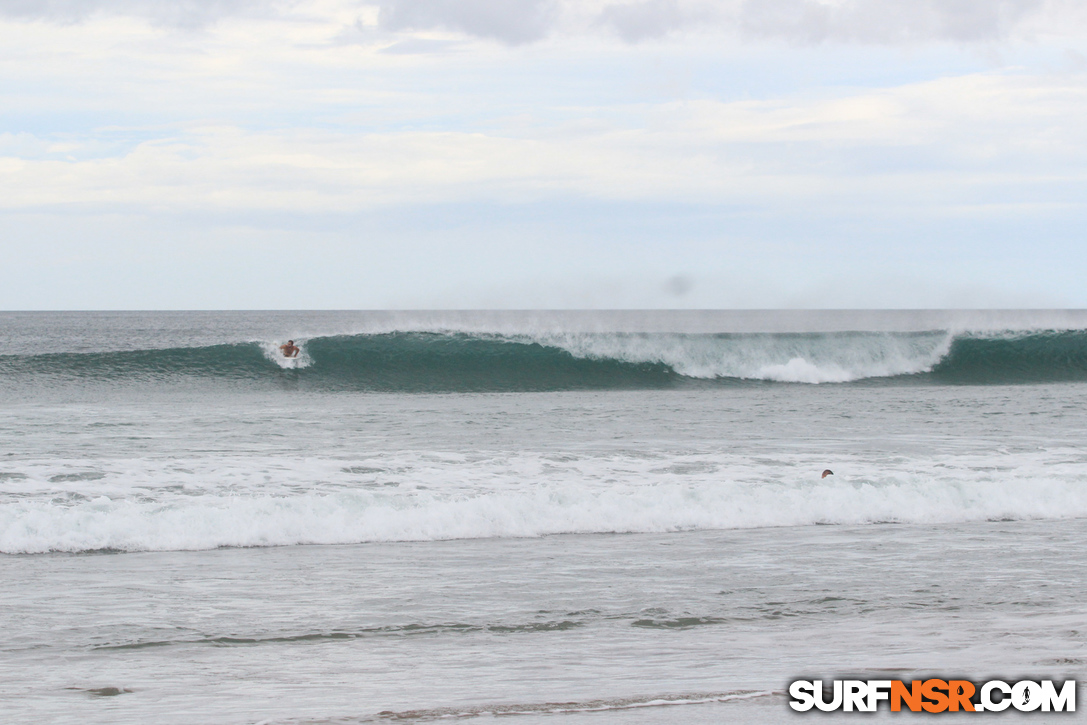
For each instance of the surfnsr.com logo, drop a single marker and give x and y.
(934, 696)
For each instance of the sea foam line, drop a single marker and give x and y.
(553, 708)
(211, 520)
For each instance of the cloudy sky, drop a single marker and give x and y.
(257, 154)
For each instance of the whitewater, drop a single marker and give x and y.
(543, 516)
(214, 501)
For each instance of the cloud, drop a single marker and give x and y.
(418, 46)
(874, 22)
(886, 21)
(510, 21)
(515, 22)
(647, 19)
(986, 139)
(173, 13)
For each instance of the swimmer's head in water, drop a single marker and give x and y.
(826, 473)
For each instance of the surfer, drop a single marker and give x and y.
(290, 349)
(826, 473)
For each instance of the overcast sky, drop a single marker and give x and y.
(256, 154)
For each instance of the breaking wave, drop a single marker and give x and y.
(212, 520)
(460, 361)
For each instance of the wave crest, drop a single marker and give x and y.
(210, 521)
(460, 361)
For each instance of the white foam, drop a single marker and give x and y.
(456, 496)
(816, 358)
(272, 352)
(799, 370)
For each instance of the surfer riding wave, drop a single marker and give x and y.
(290, 349)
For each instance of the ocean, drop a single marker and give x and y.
(533, 517)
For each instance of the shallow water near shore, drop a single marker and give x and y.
(411, 527)
(686, 624)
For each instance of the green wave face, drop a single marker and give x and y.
(394, 362)
(461, 362)
(1021, 358)
(452, 362)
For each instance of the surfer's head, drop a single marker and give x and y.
(826, 473)
(290, 342)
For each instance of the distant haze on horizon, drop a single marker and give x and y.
(543, 154)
